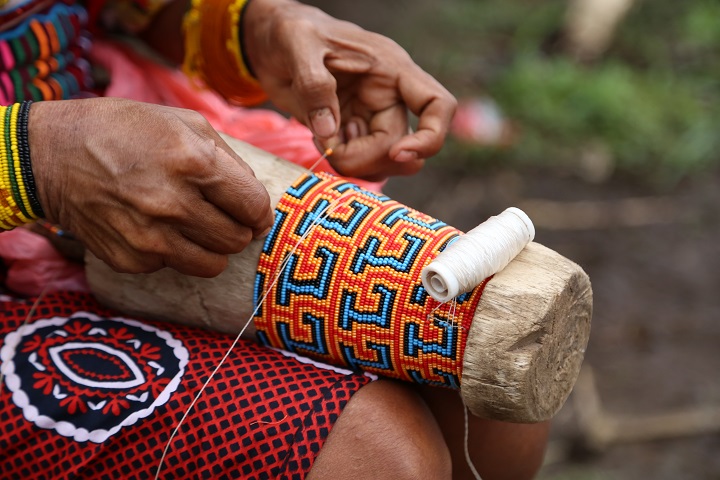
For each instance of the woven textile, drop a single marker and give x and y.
(87, 394)
(41, 58)
(350, 293)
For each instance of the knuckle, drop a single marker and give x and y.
(164, 207)
(241, 241)
(345, 171)
(198, 158)
(392, 48)
(195, 119)
(257, 207)
(434, 144)
(413, 167)
(215, 268)
(314, 84)
(148, 243)
(451, 102)
(258, 214)
(349, 168)
(262, 205)
(226, 241)
(289, 26)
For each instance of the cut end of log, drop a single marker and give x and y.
(520, 365)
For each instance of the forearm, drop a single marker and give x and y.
(309, 64)
(165, 32)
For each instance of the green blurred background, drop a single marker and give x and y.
(613, 151)
(650, 101)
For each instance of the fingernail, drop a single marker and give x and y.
(352, 131)
(264, 233)
(322, 123)
(406, 156)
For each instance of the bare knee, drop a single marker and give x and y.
(385, 432)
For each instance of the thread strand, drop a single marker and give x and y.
(316, 221)
(477, 255)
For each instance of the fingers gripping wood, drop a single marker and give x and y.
(526, 343)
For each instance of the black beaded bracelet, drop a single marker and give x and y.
(25, 162)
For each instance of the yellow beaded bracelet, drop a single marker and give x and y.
(18, 199)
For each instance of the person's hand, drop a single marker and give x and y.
(351, 87)
(144, 186)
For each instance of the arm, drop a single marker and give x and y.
(145, 187)
(351, 87)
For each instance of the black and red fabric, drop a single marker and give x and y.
(88, 393)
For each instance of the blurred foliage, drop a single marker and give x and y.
(651, 102)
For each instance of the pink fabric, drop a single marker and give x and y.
(33, 263)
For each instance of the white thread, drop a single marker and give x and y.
(480, 253)
(467, 449)
(328, 152)
(316, 221)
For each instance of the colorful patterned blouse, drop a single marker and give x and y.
(44, 43)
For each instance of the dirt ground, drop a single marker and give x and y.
(653, 258)
(653, 261)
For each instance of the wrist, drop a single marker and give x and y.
(43, 123)
(253, 23)
(256, 31)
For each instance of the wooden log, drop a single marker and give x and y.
(525, 345)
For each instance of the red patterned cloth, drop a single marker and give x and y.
(89, 394)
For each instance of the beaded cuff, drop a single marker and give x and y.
(213, 50)
(18, 198)
(340, 278)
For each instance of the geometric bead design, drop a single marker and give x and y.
(340, 273)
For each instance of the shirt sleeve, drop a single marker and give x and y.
(128, 16)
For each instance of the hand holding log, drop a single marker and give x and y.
(520, 349)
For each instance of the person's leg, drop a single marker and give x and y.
(385, 432)
(499, 450)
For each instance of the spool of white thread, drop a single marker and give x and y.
(480, 253)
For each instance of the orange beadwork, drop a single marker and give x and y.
(213, 52)
(350, 293)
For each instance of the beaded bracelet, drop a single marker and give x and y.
(18, 197)
(213, 50)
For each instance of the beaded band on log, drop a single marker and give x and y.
(350, 292)
(525, 343)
